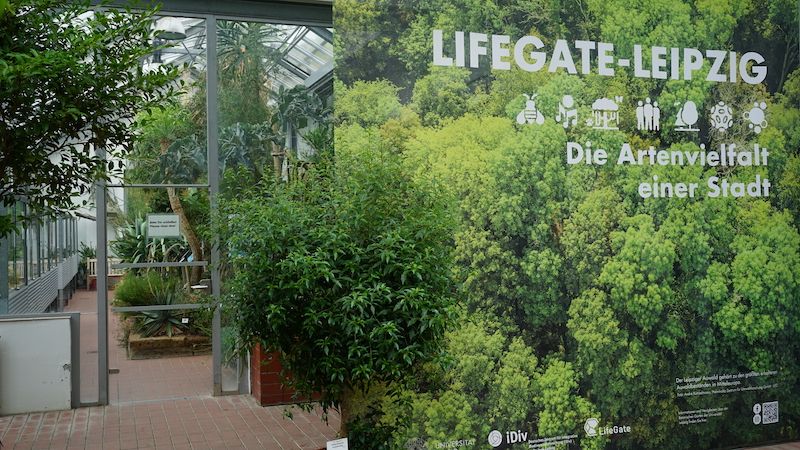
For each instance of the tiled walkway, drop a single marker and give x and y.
(135, 380)
(159, 403)
(234, 422)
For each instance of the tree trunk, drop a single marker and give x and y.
(186, 226)
(188, 231)
(345, 405)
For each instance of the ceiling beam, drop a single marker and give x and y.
(310, 13)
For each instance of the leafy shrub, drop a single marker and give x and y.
(140, 290)
(86, 253)
(345, 272)
(153, 288)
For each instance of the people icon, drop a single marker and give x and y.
(648, 115)
(687, 116)
(640, 115)
(656, 117)
(567, 113)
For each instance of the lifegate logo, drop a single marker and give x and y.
(495, 438)
(592, 428)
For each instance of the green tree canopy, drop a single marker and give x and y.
(70, 82)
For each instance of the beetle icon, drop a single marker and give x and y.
(530, 114)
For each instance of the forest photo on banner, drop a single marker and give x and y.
(625, 178)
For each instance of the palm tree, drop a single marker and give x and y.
(254, 118)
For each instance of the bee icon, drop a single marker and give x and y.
(530, 114)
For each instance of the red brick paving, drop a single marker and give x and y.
(85, 302)
(137, 380)
(197, 423)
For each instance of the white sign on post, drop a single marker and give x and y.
(338, 444)
(163, 225)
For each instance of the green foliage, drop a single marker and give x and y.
(134, 246)
(142, 290)
(366, 103)
(85, 253)
(494, 382)
(363, 433)
(596, 298)
(639, 275)
(562, 410)
(69, 81)
(344, 272)
(764, 277)
(131, 246)
(165, 322)
(586, 238)
(247, 53)
(155, 288)
(441, 95)
(168, 148)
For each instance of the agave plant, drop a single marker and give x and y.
(131, 246)
(158, 323)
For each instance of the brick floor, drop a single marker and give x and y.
(137, 380)
(85, 302)
(197, 423)
(160, 403)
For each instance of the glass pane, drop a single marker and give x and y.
(16, 259)
(32, 248)
(52, 244)
(265, 114)
(163, 226)
(171, 147)
(159, 226)
(63, 240)
(43, 257)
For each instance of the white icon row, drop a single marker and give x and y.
(605, 115)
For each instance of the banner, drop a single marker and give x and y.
(626, 176)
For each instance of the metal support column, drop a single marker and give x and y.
(4, 267)
(102, 287)
(212, 94)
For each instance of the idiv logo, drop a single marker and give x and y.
(512, 437)
(590, 427)
(495, 438)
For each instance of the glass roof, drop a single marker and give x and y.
(306, 52)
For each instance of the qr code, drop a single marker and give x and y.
(769, 411)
